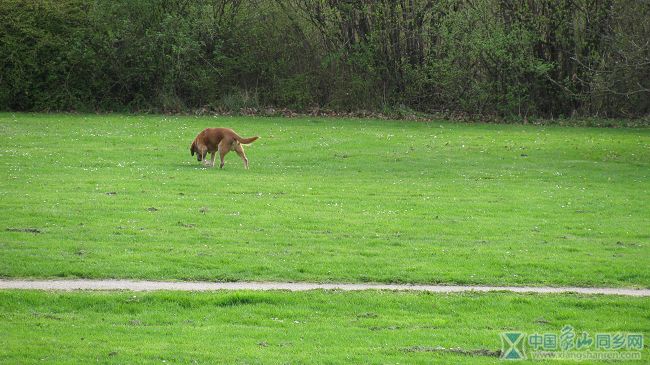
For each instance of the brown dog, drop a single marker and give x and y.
(219, 139)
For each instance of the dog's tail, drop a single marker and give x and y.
(246, 140)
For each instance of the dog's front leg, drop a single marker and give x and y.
(213, 155)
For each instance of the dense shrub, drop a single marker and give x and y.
(488, 57)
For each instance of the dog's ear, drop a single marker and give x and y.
(192, 148)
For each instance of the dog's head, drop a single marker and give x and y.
(194, 150)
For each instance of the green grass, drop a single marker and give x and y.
(325, 200)
(283, 327)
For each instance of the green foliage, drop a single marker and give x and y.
(237, 100)
(294, 92)
(44, 63)
(520, 58)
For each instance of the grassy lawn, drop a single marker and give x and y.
(101, 196)
(283, 327)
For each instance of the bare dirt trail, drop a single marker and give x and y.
(138, 285)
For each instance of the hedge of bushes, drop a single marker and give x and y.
(488, 57)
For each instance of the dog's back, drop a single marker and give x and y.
(214, 136)
(211, 137)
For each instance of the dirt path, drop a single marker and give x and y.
(83, 284)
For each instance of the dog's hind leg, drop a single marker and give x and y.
(224, 147)
(240, 151)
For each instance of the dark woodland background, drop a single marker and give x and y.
(521, 58)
